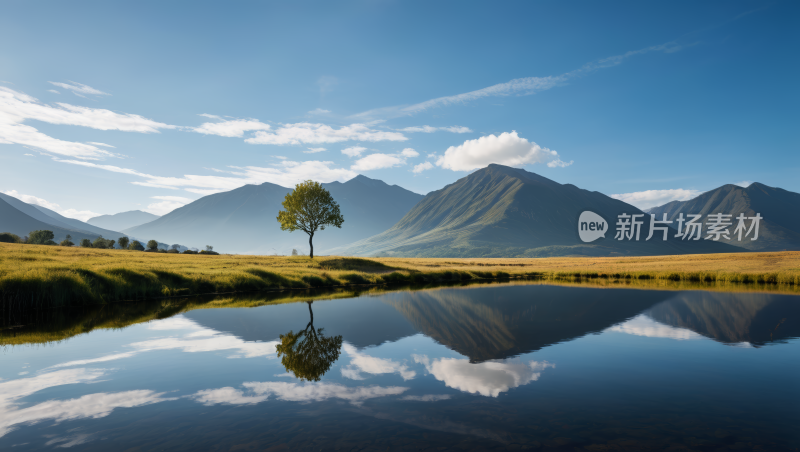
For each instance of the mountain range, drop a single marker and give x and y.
(122, 220)
(779, 208)
(244, 220)
(499, 211)
(21, 218)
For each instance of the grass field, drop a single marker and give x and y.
(47, 276)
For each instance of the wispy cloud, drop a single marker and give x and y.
(319, 111)
(520, 86)
(353, 151)
(167, 204)
(16, 107)
(314, 150)
(381, 161)
(744, 183)
(652, 198)
(309, 133)
(422, 167)
(79, 89)
(430, 129)
(230, 128)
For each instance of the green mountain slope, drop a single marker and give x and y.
(780, 228)
(500, 211)
(244, 220)
(122, 220)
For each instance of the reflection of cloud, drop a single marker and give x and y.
(201, 339)
(361, 362)
(69, 441)
(89, 406)
(83, 362)
(293, 392)
(487, 379)
(641, 325)
(12, 390)
(426, 397)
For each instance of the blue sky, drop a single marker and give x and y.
(649, 101)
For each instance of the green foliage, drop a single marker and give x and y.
(190, 252)
(41, 237)
(308, 354)
(8, 237)
(309, 207)
(173, 251)
(136, 246)
(152, 245)
(86, 243)
(102, 243)
(66, 242)
(123, 242)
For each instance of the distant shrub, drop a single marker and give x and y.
(41, 237)
(190, 252)
(136, 246)
(213, 253)
(7, 237)
(173, 251)
(152, 245)
(123, 242)
(102, 243)
(86, 243)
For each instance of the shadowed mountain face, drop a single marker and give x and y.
(489, 323)
(500, 211)
(779, 229)
(122, 220)
(733, 318)
(54, 219)
(244, 220)
(20, 223)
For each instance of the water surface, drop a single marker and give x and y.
(476, 368)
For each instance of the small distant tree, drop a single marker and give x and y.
(42, 237)
(309, 207)
(152, 245)
(136, 246)
(123, 242)
(175, 247)
(209, 248)
(86, 243)
(67, 241)
(100, 242)
(294, 252)
(7, 237)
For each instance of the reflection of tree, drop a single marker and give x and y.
(308, 354)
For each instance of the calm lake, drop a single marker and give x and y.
(491, 367)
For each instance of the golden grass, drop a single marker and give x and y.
(47, 276)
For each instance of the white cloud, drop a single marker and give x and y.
(377, 161)
(29, 155)
(79, 89)
(409, 153)
(422, 167)
(361, 362)
(430, 129)
(505, 149)
(353, 151)
(652, 198)
(166, 204)
(231, 128)
(309, 133)
(101, 144)
(488, 379)
(314, 150)
(293, 392)
(16, 107)
(641, 325)
(318, 111)
(744, 183)
(82, 215)
(520, 86)
(53, 91)
(287, 173)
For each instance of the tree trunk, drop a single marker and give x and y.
(311, 244)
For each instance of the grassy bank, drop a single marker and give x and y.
(34, 276)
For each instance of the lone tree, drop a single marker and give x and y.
(308, 354)
(123, 242)
(152, 245)
(309, 207)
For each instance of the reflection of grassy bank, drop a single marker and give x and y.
(40, 276)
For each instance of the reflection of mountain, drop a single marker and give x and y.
(498, 322)
(733, 317)
(362, 322)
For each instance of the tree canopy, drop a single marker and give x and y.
(42, 237)
(123, 242)
(309, 207)
(308, 354)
